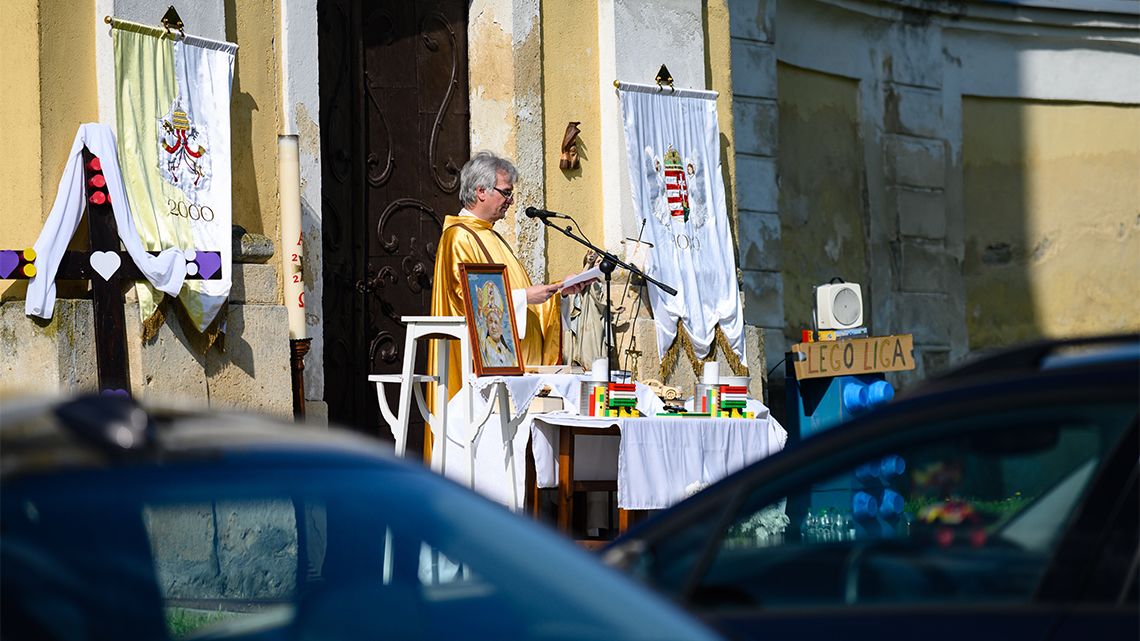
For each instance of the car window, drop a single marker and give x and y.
(971, 511)
(241, 551)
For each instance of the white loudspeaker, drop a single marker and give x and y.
(838, 306)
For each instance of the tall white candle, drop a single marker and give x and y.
(292, 250)
(711, 374)
(600, 370)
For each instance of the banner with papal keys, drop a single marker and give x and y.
(173, 104)
(672, 140)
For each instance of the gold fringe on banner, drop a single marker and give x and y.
(738, 368)
(150, 325)
(684, 343)
(199, 342)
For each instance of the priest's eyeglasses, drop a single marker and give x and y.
(509, 194)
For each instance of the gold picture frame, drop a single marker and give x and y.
(490, 314)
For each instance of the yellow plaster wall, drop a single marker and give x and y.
(254, 115)
(571, 93)
(821, 188)
(49, 84)
(68, 92)
(53, 90)
(718, 72)
(20, 128)
(1052, 219)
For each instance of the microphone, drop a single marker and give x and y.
(534, 212)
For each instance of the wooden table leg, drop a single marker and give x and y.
(532, 492)
(623, 520)
(565, 478)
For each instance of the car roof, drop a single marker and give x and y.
(1074, 354)
(53, 434)
(1042, 373)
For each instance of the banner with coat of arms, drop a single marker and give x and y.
(673, 145)
(173, 119)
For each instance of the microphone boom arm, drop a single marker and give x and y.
(608, 256)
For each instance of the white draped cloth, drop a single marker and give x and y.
(165, 271)
(673, 145)
(657, 461)
(491, 475)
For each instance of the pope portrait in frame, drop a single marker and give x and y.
(490, 319)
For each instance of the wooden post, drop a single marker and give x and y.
(298, 347)
(106, 294)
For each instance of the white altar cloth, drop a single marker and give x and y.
(656, 461)
(659, 460)
(492, 478)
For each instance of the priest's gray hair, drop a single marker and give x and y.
(481, 172)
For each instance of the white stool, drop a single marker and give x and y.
(442, 329)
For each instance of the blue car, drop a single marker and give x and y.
(996, 502)
(119, 522)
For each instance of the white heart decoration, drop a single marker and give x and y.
(105, 263)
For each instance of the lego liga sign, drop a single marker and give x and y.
(853, 356)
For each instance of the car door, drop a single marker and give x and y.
(1010, 523)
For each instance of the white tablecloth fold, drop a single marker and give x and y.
(659, 460)
(656, 461)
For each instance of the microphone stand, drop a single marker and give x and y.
(609, 263)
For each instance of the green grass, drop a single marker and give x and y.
(182, 622)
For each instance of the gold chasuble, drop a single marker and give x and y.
(460, 243)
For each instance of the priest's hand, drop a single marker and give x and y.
(536, 294)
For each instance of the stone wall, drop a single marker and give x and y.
(225, 550)
(247, 369)
(925, 268)
(756, 121)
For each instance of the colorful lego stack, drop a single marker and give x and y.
(725, 401)
(621, 400)
(833, 334)
(593, 401)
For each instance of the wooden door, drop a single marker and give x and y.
(394, 133)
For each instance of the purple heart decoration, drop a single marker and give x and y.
(208, 263)
(8, 262)
(115, 392)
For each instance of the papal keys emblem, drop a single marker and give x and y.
(183, 156)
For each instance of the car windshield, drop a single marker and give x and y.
(240, 548)
(967, 510)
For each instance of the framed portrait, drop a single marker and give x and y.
(490, 319)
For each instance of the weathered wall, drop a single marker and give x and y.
(71, 81)
(821, 205)
(254, 115)
(1071, 266)
(570, 93)
(298, 57)
(47, 95)
(938, 172)
(752, 51)
(504, 39)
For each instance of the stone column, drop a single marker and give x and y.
(909, 231)
(755, 120)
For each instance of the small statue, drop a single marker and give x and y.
(569, 158)
(583, 336)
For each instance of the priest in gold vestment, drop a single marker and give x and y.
(486, 190)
